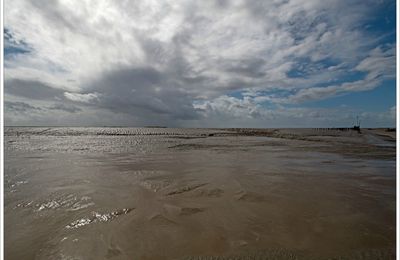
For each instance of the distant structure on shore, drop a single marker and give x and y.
(357, 125)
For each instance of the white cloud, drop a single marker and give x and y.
(231, 107)
(84, 98)
(235, 112)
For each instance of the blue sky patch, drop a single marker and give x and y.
(13, 46)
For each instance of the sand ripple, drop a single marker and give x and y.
(69, 202)
(97, 217)
(186, 189)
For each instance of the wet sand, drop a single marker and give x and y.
(149, 193)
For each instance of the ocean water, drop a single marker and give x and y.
(162, 193)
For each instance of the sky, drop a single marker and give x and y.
(219, 63)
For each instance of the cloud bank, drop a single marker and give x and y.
(195, 63)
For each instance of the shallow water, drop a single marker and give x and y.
(149, 193)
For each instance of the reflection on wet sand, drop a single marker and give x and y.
(132, 193)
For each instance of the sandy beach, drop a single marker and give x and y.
(164, 193)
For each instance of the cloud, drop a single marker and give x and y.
(143, 91)
(24, 108)
(13, 46)
(64, 107)
(177, 61)
(31, 89)
(83, 98)
(380, 65)
(231, 107)
(19, 107)
(230, 112)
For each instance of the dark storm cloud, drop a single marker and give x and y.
(19, 107)
(32, 90)
(64, 107)
(142, 91)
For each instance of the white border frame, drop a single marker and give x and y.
(2, 131)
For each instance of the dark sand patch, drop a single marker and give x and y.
(185, 189)
(210, 193)
(249, 197)
(161, 220)
(190, 211)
